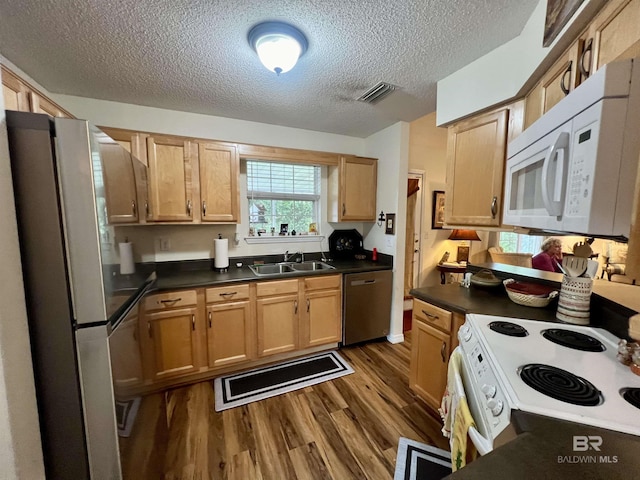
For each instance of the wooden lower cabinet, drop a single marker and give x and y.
(188, 335)
(321, 320)
(230, 334)
(429, 360)
(277, 322)
(434, 335)
(171, 343)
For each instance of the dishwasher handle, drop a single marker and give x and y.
(356, 283)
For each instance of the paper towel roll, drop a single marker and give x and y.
(127, 265)
(221, 253)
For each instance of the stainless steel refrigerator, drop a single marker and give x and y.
(66, 245)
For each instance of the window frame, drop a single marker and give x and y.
(315, 198)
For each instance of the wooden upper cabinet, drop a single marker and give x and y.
(352, 189)
(475, 164)
(15, 92)
(615, 32)
(19, 95)
(119, 184)
(41, 104)
(170, 176)
(561, 79)
(219, 182)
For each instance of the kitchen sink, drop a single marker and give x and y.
(310, 266)
(284, 268)
(271, 269)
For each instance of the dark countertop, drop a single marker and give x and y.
(544, 450)
(488, 301)
(199, 273)
(494, 300)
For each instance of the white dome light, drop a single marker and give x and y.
(278, 45)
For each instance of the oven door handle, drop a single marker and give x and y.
(483, 445)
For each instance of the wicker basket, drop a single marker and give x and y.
(526, 299)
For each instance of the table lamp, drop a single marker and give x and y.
(463, 249)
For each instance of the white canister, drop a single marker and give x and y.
(575, 300)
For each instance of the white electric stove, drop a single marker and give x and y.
(557, 370)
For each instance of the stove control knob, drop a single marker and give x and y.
(495, 406)
(489, 390)
(465, 331)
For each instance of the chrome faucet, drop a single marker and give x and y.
(287, 256)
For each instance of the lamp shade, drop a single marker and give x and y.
(460, 234)
(278, 45)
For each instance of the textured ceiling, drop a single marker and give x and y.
(193, 55)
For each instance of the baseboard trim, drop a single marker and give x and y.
(398, 338)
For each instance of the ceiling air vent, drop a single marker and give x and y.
(377, 93)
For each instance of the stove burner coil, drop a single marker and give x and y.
(575, 340)
(631, 395)
(561, 385)
(508, 328)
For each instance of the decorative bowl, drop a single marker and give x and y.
(485, 278)
(529, 294)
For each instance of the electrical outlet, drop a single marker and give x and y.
(165, 244)
(389, 241)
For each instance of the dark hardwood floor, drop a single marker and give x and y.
(342, 429)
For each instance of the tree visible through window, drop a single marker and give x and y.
(282, 193)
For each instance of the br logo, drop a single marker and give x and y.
(583, 443)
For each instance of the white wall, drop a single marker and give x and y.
(20, 448)
(502, 73)
(157, 120)
(391, 147)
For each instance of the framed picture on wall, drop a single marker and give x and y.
(559, 12)
(437, 214)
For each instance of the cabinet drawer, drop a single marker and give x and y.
(432, 315)
(322, 282)
(228, 293)
(278, 287)
(163, 301)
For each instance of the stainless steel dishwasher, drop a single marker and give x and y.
(366, 306)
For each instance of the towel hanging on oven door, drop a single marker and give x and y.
(458, 423)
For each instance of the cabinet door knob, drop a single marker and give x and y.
(494, 207)
(149, 329)
(133, 206)
(209, 319)
(344, 209)
(193, 322)
(204, 207)
(444, 345)
(308, 305)
(295, 306)
(189, 207)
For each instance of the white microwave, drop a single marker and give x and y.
(574, 169)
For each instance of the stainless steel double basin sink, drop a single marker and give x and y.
(283, 268)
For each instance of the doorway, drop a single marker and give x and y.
(412, 251)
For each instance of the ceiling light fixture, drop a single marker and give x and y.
(278, 45)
